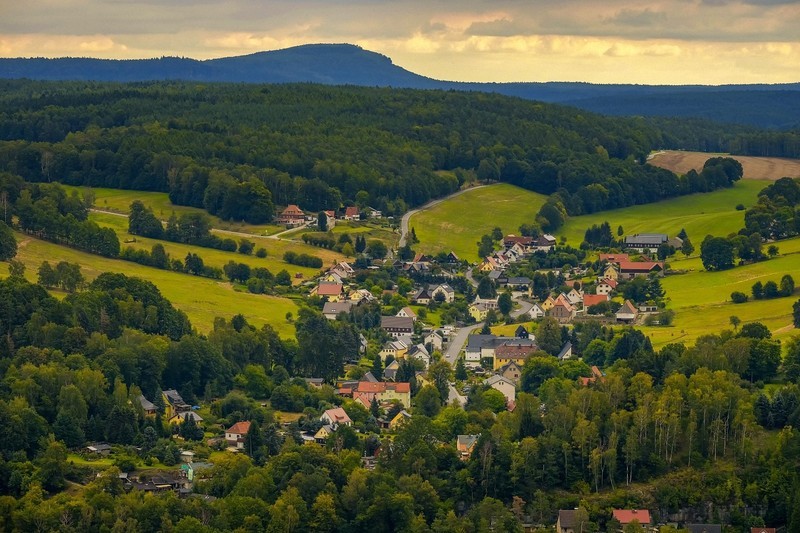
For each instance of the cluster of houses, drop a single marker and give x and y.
(293, 216)
(573, 521)
(176, 411)
(516, 248)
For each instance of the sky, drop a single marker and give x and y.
(600, 41)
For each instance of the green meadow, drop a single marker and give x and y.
(119, 201)
(217, 258)
(701, 214)
(201, 299)
(701, 300)
(458, 223)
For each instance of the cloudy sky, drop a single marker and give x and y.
(647, 41)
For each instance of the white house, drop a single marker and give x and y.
(336, 417)
(235, 435)
(504, 385)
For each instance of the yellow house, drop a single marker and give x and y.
(611, 273)
(478, 312)
(487, 265)
(399, 420)
(322, 435)
(180, 418)
(397, 349)
(548, 304)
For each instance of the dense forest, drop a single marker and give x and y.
(239, 150)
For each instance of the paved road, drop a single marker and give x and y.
(407, 216)
(460, 338)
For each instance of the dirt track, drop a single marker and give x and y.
(755, 168)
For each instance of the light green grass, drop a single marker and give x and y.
(458, 223)
(701, 299)
(368, 230)
(701, 214)
(200, 298)
(119, 201)
(217, 258)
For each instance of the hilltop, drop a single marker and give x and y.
(773, 106)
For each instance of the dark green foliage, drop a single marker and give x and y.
(8, 244)
(142, 221)
(738, 297)
(716, 253)
(306, 260)
(599, 236)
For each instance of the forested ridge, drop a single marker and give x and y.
(238, 150)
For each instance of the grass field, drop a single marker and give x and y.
(700, 214)
(217, 258)
(367, 229)
(200, 298)
(119, 201)
(754, 168)
(701, 300)
(457, 224)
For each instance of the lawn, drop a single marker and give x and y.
(701, 299)
(119, 201)
(700, 214)
(367, 229)
(201, 299)
(217, 258)
(458, 223)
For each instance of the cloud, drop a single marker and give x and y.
(638, 18)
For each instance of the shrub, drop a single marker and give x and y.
(738, 297)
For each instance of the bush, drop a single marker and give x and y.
(740, 207)
(305, 260)
(261, 253)
(738, 297)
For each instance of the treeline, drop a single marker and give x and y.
(236, 150)
(776, 215)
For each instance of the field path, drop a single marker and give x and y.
(409, 214)
(276, 236)
(755, 168)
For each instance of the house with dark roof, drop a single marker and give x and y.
(148, 407)
(332, 309)
(646, 242)
(566, 351)
(397, 326)
(627, 313)
(568, 521)
(544, 243)
(706, 528)
(521, 332)
(465, 444)
(511, 370)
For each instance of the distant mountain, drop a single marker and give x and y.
(771, 106)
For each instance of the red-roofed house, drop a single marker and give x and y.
(593, 299)
(606, 286)
(562, 310)
(631, 269)
(235, 434)
(614, 258)
(383, 392)
(524, 242)
(351, 213)
(596, 375)
(626, 516)
(333, 291)
(291, 216)
(335, 417)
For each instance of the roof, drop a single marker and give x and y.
(334, 308)
(646, 239)
(613, 258)
(369, 377)
(563, 301)
(146, 404)
(567, 348)
(337, 415)
(497, 378)
(640, 266)
(466, 441)
(567, 518)
(397, 322)
(511, 240)
(521, 330)
(519, 281)
(514, 350)
(292, 209)
(610, 282)
(351, 211)
(627, 309)
(626, 516)
(240, 428)
(408, 311)
(594, 299)
(329, 289)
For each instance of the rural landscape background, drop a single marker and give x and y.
(310, 290)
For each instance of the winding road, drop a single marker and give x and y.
(409, 214)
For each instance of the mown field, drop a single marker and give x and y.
(119, 201)
(712, 213)
(200, 298)
(374, 229)
(458, 223)
(217, 258)
(755, 168)
(701, 299)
